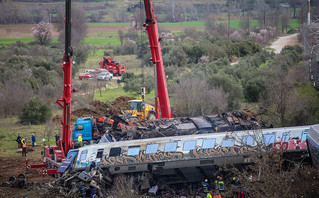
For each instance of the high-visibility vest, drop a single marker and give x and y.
(24, 145)
(206, 187)
(80, 138)
(216, 184)
(220, 185)
(217, 196)
(209, 195)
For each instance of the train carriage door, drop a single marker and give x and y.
(285, 140)
(269, 139)
(82, 161)
(303, 143)
(304, 135)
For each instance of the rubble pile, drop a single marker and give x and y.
(230, 121)
(69, 183)
(96, 181)
(17, 182)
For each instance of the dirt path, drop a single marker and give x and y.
(283, 41)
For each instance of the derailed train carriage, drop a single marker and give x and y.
(189, 158)
(313, 144)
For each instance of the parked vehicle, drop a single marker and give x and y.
(104, 76)
(86, 75)
(112, 66)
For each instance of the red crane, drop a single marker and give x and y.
(161, 97)
(65, 144)
(53, 155)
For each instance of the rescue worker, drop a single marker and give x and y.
(57, 138)
(238, 189)
(209, 195)
(216, 183)
(24, 148)
(217, 195)
(206, 187)
(220, 184)
(19, 141)
(33, 140)
(81, 190)
(80, 139)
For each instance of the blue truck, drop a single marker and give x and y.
(91, 131)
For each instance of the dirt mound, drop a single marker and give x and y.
(85, 112)
(98, 108)
(120, 104)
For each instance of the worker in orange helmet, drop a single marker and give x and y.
(220, 185)
(216, 183)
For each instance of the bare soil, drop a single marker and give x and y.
(283, 41)
(98, 108)
(13, 166)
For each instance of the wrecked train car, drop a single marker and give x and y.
(189, 158)
(231, 121)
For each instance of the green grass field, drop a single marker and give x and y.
(9, 130)
(233, 23)
(125, 24)
(112, 94)
(101, 41)
(294, 24)
(104, 34)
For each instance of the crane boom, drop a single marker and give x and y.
(67, 82)
(161, 97)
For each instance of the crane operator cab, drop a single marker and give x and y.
(138, 112)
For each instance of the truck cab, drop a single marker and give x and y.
(83, 126)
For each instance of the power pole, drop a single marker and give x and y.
(308, 21)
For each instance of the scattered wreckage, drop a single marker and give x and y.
(230, 121)
(173, 159)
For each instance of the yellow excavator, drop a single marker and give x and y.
(139, 110)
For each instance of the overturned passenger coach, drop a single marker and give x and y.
(188, 158)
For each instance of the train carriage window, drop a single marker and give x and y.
(199, 142)
(151, 148)
(248, 140)
(170, 146)
(99, 153)
(209, 143)
(304, 136)
(115, 152)
(285, 137)
(83, 155)
(228, 143)
(133, 150)
(269, 138)
(189, 145)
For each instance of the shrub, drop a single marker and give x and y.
(242, 48)
(35, 112)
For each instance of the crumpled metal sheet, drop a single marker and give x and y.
(201, 123)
